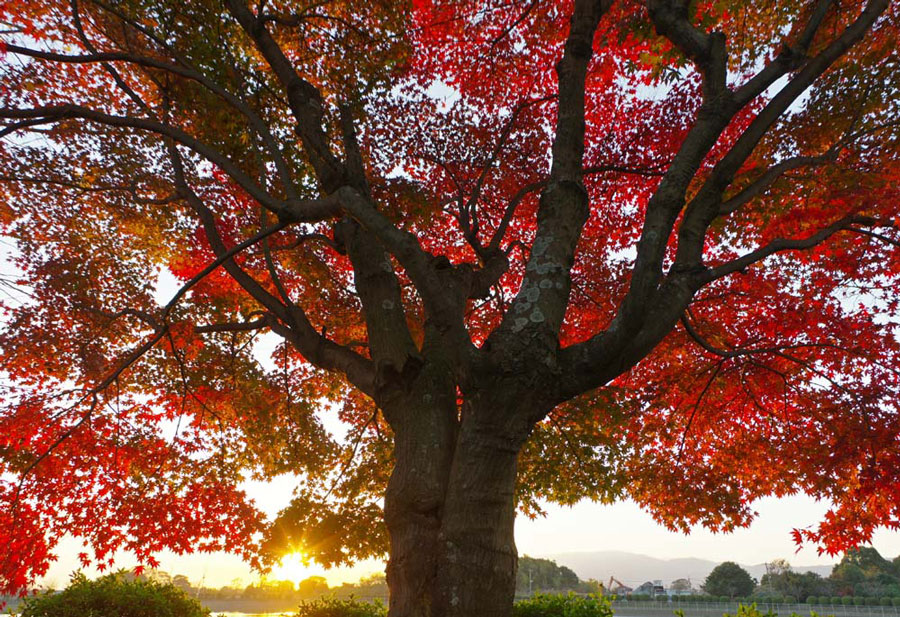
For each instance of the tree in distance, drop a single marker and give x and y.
(531, 252)
(729, 579)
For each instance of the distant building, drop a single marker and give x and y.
(651, 588)
(681, 587)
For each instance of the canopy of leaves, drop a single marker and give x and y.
(167, 212)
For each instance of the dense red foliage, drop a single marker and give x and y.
(130, 420)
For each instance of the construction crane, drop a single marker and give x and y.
(619, 585)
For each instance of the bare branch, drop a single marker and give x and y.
(704, 208)
(65, 111)
(779, 245)
(106, 58)
(240, 326)
(769, 177)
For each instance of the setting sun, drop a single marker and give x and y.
(292, 568)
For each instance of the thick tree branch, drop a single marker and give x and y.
(541, 301)
(292, 322)
(671, 20)
(304, 99)
(594, 362)
(718, 109)
(347, 180)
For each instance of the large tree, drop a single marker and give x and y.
(729, 579)
(528, 250)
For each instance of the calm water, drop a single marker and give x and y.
(219, 614)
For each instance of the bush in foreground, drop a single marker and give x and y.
(114, 595)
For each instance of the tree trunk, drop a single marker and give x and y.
(476, 574)
(424, 422)
(450, 504)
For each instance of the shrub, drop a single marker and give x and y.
(724, 599)
(859, 601)
(836, 599)
(345, 607)
(847, 600)
(895, 601)
(114, 595)
(546, 605)
(790, 600)
(885, 601)
(814, 600)
(872, 601)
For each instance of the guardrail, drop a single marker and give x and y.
(634, 608)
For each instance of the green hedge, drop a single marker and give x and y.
(544, 605)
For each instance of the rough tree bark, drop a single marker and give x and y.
(425, 429)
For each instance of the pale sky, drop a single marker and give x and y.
(584, 527)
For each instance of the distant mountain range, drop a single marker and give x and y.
(634, 569)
